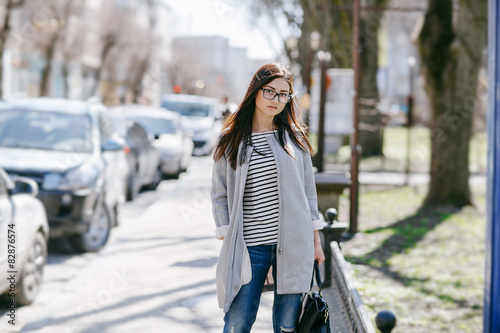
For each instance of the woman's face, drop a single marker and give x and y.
(270, 108)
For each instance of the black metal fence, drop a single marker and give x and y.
(354, 311)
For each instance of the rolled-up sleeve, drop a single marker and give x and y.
(310, 188)
(219, 197)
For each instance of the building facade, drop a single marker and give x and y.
(223, 69)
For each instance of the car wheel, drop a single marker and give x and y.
(115, 219)
(31, 278)
(179, 171)
(98, 233)
(133, 187)
(157, 177)
(185, 167)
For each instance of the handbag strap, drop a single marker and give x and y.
(317, 274)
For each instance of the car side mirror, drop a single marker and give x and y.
(157, 136)
(112, 145)
(24, 185)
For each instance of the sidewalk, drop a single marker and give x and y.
(396, 178)
(399, 178)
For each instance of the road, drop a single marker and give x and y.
(156, 274)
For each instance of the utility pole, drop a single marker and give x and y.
(355, 147)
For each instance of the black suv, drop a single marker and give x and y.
(70, 150)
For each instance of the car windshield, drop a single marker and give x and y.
(188, 108)
(156, 126)
(45, 130)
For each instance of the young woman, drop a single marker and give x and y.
(264, 205)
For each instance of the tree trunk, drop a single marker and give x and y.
(1, 69)
(65, 74)
(136, 88)
(109, 96)
(97, 81)
(451, 55)
(109, 42)
(370, 133)
(4, 35)
(49, 55)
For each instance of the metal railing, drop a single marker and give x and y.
(354, 310)
(338, 278)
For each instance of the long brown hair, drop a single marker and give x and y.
(238, 126)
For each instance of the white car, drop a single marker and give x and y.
(166, 133)
(201, 115)
(24, 233)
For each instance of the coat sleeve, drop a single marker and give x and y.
(219, 197)
(310, 188)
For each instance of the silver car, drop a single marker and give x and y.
(199, 114)
(24, 233)
(167, 135)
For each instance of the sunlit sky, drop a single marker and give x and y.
(227, 18)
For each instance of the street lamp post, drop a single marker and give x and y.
(409, 121)
(355, 146)
(314, 44)
(324, 61)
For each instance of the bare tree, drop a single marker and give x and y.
(108, 42)
(46, 20)
(53, 24)
(126, 63)
(48, 53)
(8, 7)
(451, 44)
(111, 24)
(142, 60)
(126, 53)
(72, 45)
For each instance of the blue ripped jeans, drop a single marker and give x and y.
(243, 310)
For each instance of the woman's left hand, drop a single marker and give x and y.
(319, 256)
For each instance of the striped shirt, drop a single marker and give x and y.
(260, 199)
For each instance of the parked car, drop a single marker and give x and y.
(202, 115)
(167, 135)
(228, 108)
(142, 157)
(70, 150)
(24, 234)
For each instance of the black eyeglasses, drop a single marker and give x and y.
(269, 94)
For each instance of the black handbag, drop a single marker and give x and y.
(315, 316)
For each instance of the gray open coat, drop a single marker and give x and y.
(298, 218)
